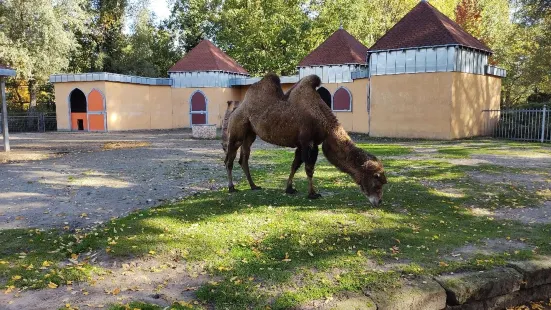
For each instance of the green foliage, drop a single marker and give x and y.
(265, 36)
(150, 51)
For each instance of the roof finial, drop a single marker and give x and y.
(340, 27)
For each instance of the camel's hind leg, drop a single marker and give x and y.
(244, 159)
(310, 156)
(230, 157)
(294, 167)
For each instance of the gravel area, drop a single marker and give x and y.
(89, 178)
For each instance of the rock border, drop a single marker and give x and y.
(518, 283)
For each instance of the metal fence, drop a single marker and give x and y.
(30, 122)
(519, 124)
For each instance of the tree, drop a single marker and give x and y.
(36, 37)
(265, 35)
(192, 21)
(150, 50)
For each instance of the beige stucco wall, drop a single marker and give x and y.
(412, 105)
(62, 91)
(473, 93)
(356, 120)
(217, 99)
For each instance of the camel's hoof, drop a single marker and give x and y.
(256, 188)
(290, 191)
(232, 190)
(314, 196)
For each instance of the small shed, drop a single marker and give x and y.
(430, 79)
(5, 71)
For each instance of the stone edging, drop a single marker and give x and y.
(516, 284)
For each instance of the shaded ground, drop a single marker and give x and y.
(90, 178)
(449, 206)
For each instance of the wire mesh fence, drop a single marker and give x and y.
(519, 124)
(30, 122)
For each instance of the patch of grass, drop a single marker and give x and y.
(464, 149)
(147, 306)
(266, 248)
(117, 145)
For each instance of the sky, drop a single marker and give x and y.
(160, 8)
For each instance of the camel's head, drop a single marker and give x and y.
(371, 181)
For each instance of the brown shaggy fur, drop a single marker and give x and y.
(298, 119)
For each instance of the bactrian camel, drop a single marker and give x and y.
(299, 119)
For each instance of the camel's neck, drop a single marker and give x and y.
(341, 151)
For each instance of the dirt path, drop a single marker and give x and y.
(83, 184)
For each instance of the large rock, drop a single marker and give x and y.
(510, 300)
(473, 286)
(422, 294)
(345, 301)
(535, 272)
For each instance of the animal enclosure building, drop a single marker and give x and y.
(425, 78)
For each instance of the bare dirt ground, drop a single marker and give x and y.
(89, 178)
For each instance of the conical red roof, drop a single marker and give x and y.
(424, 26)
(207, 57)
(340, 48)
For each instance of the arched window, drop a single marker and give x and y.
(325, 95)
(77, 100)
(342, 100)
(198, 108)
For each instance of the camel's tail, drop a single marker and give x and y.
(232, 105)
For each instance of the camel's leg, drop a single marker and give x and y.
(230, 157)
(310, 156)
(294, 167)
(244, 159)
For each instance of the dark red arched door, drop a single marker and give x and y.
(198, 109)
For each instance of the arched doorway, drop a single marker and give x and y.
(325, 95)
(198, 108)
(78, 110)
(96, 111)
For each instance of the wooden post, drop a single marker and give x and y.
(4, 115)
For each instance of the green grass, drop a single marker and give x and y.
(266, 248)
(466, 148)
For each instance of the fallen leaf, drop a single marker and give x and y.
(52, 285)
(46, 264)
(116, 291)
(16, 277)
(152, 252)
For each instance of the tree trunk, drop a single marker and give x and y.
(32, 94)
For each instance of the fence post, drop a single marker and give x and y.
(543, 123)
(41, 122)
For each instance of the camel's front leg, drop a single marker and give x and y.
(230, 157)
(294, 167)
(244, 160)
(310, 156)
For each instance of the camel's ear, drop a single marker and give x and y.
(229, 102)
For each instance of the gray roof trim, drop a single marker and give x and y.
(429, 46)
(109, 77)
(287, 79)
(229, 72)
(495, 71)
(7, 72)
(334, 65)
(361, 74)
